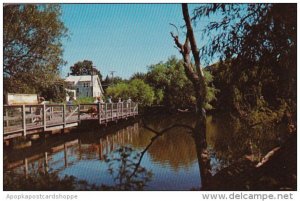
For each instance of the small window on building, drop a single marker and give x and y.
(77, 90)
(87, 93)
(85, 84)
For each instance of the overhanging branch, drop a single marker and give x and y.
(157, 135)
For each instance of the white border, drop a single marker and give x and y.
(128, 196)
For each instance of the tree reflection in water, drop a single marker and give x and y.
(230, 143)
(174, 149)
(233, 140)
(126, 171)
(167, 141)
(43, 181)
(123, 165)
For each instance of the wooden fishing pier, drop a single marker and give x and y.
(23, 120)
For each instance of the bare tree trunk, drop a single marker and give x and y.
(196, 75)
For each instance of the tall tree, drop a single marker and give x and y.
(195, 74)
(257, 43)
(85, 67)
(136, 89)
(173, 88)
(108, 81)
(32, 49)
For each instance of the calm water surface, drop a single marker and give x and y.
(170, 163)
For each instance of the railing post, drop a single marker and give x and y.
(51, 112)
(6, 114)
(137, 109)
(126, 111)
(30, 111)
(44, 117)
(130, 109)
(79, 113)
(64, 115)
(24, 120)
(111, 110)
(122, 109)
(119, 110)
(99, 112)
(105, 112)
(117, 115)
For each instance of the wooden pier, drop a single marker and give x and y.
(22, 120)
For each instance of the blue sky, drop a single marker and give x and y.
(125, 38)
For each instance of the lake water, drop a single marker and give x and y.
(109, 158)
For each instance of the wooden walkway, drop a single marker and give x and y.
(22, 120)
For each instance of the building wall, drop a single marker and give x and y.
(96, 90)
(83, 89)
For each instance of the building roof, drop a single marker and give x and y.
(80, 78)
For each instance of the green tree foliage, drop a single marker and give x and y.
(120, 90)
(257, 44)
(136, 89)
(138, 75)
(173, 88)
(156, 77)
(32, 49)
(108, 81)
(212, 91)
(54, 92)
(141, 92)
(85, 67)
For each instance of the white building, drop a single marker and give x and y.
(84, 86)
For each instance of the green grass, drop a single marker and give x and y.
(84, 100)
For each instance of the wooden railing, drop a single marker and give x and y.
(108, 111)
(23, 118)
